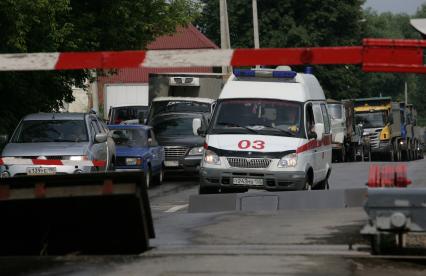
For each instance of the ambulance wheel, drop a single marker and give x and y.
(307, 186)
(323, 185)
(208, 190)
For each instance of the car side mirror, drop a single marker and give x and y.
(149, 142)
(3, 139)
(390, 120)
(101, 137)
(319, 130)
(196, 125)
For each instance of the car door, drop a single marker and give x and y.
(156, 151)
(326, 150)
(99, 150)
(110, 144)
(318, 152)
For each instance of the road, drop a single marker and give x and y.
(292, 242)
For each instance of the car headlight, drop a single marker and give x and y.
(78, 158)
(196, 151)
(288, 161)
(4, 174)
(210, 157)
(133, 161)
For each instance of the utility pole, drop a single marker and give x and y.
(225, 41)
(255, 25)
(406, 94)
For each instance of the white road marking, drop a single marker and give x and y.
(176, 208)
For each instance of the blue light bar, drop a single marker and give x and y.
(264, 73)
(284, 74)
(244, 73)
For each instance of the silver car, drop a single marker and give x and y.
(77, 137)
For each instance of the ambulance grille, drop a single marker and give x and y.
(249, 163)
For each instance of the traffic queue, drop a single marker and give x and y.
(269, 129)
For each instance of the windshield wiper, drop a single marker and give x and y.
(237, 125)
(278, 129)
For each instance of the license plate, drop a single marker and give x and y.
(248, 181)
(41, 171)
(171, 163)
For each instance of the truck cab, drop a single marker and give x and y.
(338, 127)
(270, 130)
(381, 120)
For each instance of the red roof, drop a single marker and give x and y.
(184, 38)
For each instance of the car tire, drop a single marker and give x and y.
(158, 179)
(208, 190)
(307, 186)
(148, 177)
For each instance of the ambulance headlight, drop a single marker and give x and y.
(210, 157)
(288, 161)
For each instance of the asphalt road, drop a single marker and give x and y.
(288, 242)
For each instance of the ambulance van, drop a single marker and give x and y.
(270, 130)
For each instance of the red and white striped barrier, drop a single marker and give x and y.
(375, 55)
(388, 176)
(9, 161)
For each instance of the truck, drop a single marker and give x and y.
(125, 95)
(348, 142)
(185, 92)
(383, 122)
(414, 133)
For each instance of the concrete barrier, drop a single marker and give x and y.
(274, 201)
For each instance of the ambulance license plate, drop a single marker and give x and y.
(247, 181)
(41, 171)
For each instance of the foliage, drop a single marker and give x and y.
(292, 23)
(73, 25)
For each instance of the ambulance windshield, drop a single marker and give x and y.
(259, 116)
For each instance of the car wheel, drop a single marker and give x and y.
(148, 178)
(158, 180)
(307, 186)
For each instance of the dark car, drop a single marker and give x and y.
(137, 149)
(121, 114)
(177, 133)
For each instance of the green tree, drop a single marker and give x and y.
(73, 25)
(292, 23)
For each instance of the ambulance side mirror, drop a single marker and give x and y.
(196, 125)
(319, 130)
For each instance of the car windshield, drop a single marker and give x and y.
(269, 117)
(173, 126)
(121, 114)
(335, 111)
(51, 131)
(371, 119)
(178, 106)
(133, 138)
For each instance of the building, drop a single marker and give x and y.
(136, 79)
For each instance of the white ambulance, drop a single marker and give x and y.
(270, 130)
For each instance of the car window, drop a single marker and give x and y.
(34, 131)
(96, 126)
(326, 118)
(129, 137)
